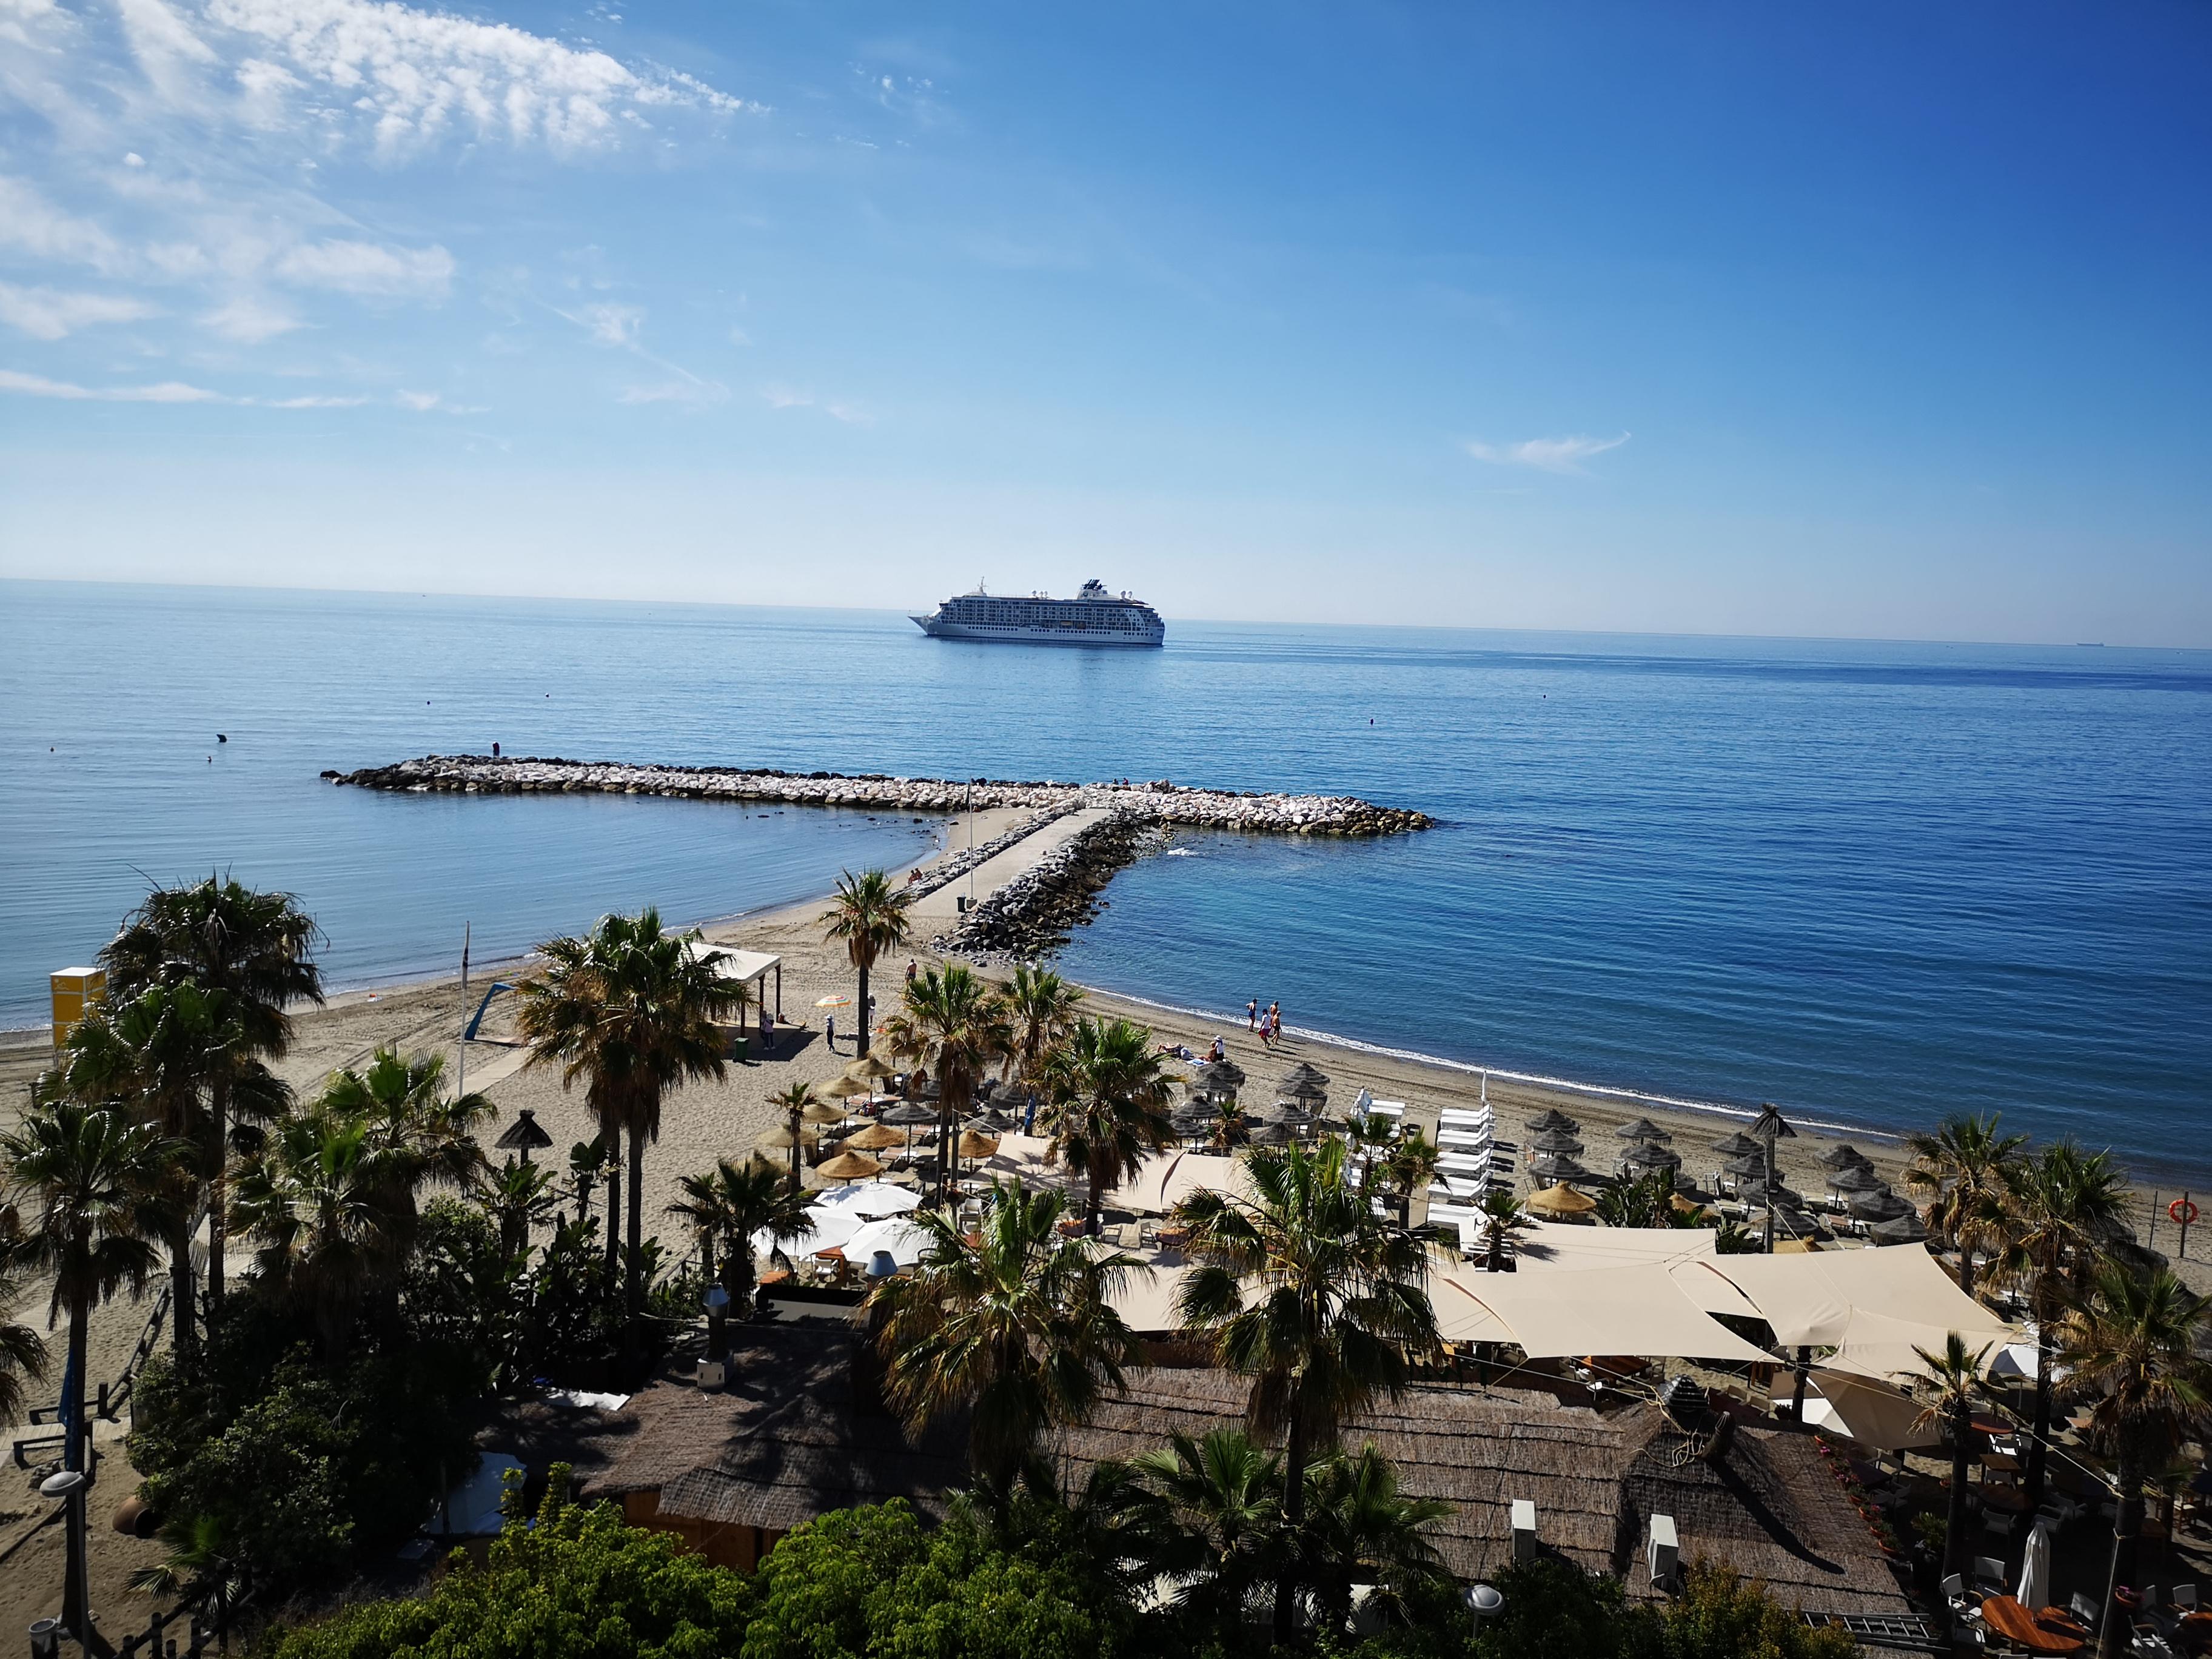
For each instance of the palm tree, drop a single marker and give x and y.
(1041, 1008)
(88, 1170)
(588, 1161)
(200, 1562)
(517, 1195)
(1361, 1528)
(1957, 1378)
(726, 1207)
(630, 1008)
(1307, 1290)
(792, 1102)
(1503, 1219)
(22, 1350)
(869, 915)
(2136, 1346)
(1646, 1201)
(951, 1024)
(1014, 1323)
(1208, 1514)
(153, 1056)
(2061, 1207)
(257, 949)
(431, 1139)
(1106, 1105)
(329, 1203)
(1371, 1136)
(1961, 1168)
(1411, 1169)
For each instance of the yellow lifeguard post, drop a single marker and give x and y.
(77, 992)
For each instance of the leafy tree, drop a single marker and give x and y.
(1554, 1610)
(1964, 1169)
(631, 1009)
(431, 1140)
(1304, 1289)
(1411, 1169)
(727, 1207)
(1360, 1528)
(254, 949)
(1646, 1201)
(2136, 1349)
(791, 1100)
(1208, 1514)
(952, 1026)
(88, 1172)
(2060, 1208)
(1041, 1009)
(1106, 1105)
(518, 1196)
(577, 1585)
(1502, 1220)
(1013, 1323)
(868, 916)
(1956, 1378)
(572, 1321)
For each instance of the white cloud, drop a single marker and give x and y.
(369, 269)
(47, 313)
(313, 402)
(166, 392)
(1545, 454)
(611, 325)
(249, 320)
(689, 389)
(34, 226)
(420, 402)
(784, 397)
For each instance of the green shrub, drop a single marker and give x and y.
(579, 1584)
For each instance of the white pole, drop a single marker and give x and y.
(461, 1043)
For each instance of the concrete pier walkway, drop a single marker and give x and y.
(994, 873)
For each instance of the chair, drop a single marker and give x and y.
(2184, 1597)
(1954, 1593)
(1989, 1570)
(2084, 1606)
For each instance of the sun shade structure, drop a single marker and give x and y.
(876, 1137)
(1738, 1144)
(1857, 1178)
(1548, 1247)
(1810, 1299)
(1561, 1199)
(1645, 1155)
(1839, 1157)
(848, 1166)
(868, 1200)
(1554, 1141)
(1217, 1076)
(823, 1112)
(1770, 1125)
(907, 1241)
(828, 1230)
(973, 1145)
(1551, 1118)
(750, 968)
(1632, 1310)
(1906, 1228)
(912, 1112)
(869, 1069)
(780, 1140)
(1882, 1205)
(1641, 1129)
(523, 1135)
(1555, 1166)
(1870, 1412)
(847, 1088)
(1885, 1349)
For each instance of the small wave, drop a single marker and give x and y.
(1179, 852)
(1472, 1068)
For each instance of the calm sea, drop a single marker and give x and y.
(1872, 883)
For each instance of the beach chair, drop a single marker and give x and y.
(2184, 1597)
(2084, 1607)
(1990, 1576)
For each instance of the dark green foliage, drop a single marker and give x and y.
(1554, 1610)
(578, 1585)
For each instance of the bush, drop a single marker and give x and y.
(579, 1584)
(1556, 1611)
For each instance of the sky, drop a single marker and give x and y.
(1885, 320)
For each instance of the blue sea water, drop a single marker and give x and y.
(1872, 883)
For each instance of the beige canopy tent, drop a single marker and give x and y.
(1632, 1310)
(1884, 1349)
(750, 968)
(1146, 1298)
(1872, 1413)
(1549, 1246)
(1809, 1300)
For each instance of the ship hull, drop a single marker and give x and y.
(937, 629)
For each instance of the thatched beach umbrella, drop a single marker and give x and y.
(1750, 1167)
(847, 1088)
(1557, 1167)
(1551, 1118)
(1905, 1229)
(1739, 1145)
(868, 1068)
(1842, 1157)
(822, 1112)
(1561, 1199)
(1303, 1083)
(1641, 1129)
(780, 1140)
(1758, 1191)
(1216, 1077)
(848, 1166)
(1882, 1206)
(972, 1144)
(876, 1137)
(1645, 1155)
(525, 1135)
(1555, 1141)
(1856, 1178)
(911, 1114)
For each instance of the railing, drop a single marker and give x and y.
(108, 1400)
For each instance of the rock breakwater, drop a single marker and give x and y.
(1158, 802)
(1032, 915)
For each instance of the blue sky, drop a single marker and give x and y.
(1883, 321)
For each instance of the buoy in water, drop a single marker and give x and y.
(222, 737)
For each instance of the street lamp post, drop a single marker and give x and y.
(68, 1486)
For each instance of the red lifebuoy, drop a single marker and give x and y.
(2182, 1210)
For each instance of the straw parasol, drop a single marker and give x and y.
(848, 1166)
(1770, 1125)
(1686, 1206)
(1555, 1141)
(1558, 1167)
(1739, 1145)
(1882, 1206)
(847, 1088)
(912, 1114)
(1857, 1178)
(1641, 1129)
(1561, 1199)
(1758, 1191)
(1840, 1157)
(1645, 1155)
(1750, 1167)
(1901, 1229)
(1551, 1118)
(869, 1069)
(973, 1145)
(780, 1140)
(1217, 1076)
(822, 1112)
(524, 1136)
(876, 1137)
(1303, 1082)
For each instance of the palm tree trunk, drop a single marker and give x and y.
(1964, 1239)
(2040, 1432)
(183, 1297)
(218, 1183)
(737, 1280)
(80, 1433)
(1097, 1198)
(1294, 1515)
(632, 1269)
(2114, 1638)
(860, 1037)
(795, 1126)
(614, 1215)
(1958, 1548)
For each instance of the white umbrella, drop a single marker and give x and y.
(829, 1231)
(868, 1200)
(906, 1240)
(2035, 1568)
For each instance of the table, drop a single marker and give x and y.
(2048, 1631)
(2196, 1632)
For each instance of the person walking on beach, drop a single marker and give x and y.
(1252, 1015)
(1275, 1021)
(830, 1031)
(910, 970)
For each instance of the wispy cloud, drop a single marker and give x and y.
(249, 320)
(1564, 455)
(47, 313)
(166, 392)
(785, 397)
(369, 269)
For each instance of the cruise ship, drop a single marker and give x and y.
(1093, 617)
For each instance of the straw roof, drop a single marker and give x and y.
(876, 1137)
(868, 1068)
(822, 1112)
(912, 1111)
(1857, 1178)
(1561, 1199)
(847, 1088)
(1738, 1144)
(780, 1140)
(848, 1166)
(973, 1145)
(525, 1134)
(1551, 1118)
(1839, 1157)
(1555, 1141)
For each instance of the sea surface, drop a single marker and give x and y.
(1874, 883)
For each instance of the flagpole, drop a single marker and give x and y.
(461, 1047)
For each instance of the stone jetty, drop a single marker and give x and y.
(1031, 916)
(1156, 803)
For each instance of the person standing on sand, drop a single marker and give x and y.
(830, 1032)
(910, 970)
(1275, 1020)
(1252, 1015)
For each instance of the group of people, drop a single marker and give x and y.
(1268, 1022)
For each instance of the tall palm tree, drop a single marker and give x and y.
(630, 1008)
(2137, 1347)
(1041, 1008)
(728, 1206)
(1207, 1514)
(22, 1350)
(1304, 1289)
(431, 1139)
(2061, 1207)
(1954, 1379)
(88, 1171)
(1646, 1201)
(951, 1024)
(1361, 1528)
(869, 915)
(1106, 1105)
(1369, 1136)
(517, 1196)
(329, 1202)
(1503, 1219)
(1961, 1168)
(791, 1100)
(1411, 1169)
(1014, 1323)
(153, 1056)
(257, 949)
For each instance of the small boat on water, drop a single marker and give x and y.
(1093, 617)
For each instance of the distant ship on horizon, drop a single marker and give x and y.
(1093, 617)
